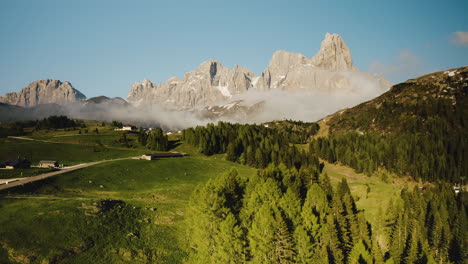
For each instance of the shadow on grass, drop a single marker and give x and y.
(174, 144)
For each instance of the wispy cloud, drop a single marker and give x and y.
(404, 66)
(460, 38)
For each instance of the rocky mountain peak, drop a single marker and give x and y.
(140, 90)
(47, 91)
(334, 54)
(212, 83)
(283, 60)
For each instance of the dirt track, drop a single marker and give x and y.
(22, 181)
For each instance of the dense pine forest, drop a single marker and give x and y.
(290, 213)
(254, 145)
(285, 216)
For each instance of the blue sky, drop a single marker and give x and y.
(102, 47)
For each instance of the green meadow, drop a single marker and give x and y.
(67, 154)
(58, 219)
(61, 219)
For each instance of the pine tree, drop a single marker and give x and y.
(259, 160)
(231, 154)
(262, 236)
(230, 244)
(284, 247)
(304, 245)
(359, 254)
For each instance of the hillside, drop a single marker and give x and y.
(417, 105)
(418, 128)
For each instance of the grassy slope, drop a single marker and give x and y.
(68, 154)
(57, 214)
(374, 203)
(18, 173)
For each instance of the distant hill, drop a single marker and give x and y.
(17, 113)
(105, 100)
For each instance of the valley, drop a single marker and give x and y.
(233, 132)
(59, 218)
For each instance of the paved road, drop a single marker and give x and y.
(22, 181)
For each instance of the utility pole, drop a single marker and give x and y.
(462, 178)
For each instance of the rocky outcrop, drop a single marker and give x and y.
(330, 71)
(334, 55)
(44, 92)
(238, 110)
(207, 85)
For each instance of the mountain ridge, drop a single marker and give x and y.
(44, 91)
(330, 70)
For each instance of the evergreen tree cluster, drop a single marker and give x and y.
(299, 132)
(156, 140)
(295, 216)
(428, 227)
(280, 216)
(55, 122)
(252, 145)
(11, 129)
(428, 157)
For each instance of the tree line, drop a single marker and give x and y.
(253, 145)
(154, 140)
(428, 157)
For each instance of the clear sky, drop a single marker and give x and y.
(102, 47)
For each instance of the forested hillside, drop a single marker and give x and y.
(418, 128)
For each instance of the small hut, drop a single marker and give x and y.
(15, 164)
(154, 156)
(48, 164)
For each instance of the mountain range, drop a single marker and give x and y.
(213, 91)
(330, 71)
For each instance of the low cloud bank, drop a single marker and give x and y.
(276, 105)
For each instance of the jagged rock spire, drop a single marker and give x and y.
(334, 54)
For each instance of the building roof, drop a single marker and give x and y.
(48, 161)
(14, 162)
(165, 154)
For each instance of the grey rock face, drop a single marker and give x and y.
(44, 92)
(208, 84)
(334, 55)
(330, 71)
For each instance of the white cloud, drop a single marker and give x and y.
(460, 38)
(404, 66)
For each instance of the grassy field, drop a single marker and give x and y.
(67, 154)
(372, 194)
(18, 173)
(107, 139)
(57, 219)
